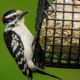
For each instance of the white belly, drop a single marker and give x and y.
(27, 39)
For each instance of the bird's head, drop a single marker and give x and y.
(13, 17)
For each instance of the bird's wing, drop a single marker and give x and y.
(16, 48)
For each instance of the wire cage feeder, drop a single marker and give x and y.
(58, 33)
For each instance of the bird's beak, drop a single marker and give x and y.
(22, 14)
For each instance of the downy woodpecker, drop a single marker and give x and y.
(19, 42)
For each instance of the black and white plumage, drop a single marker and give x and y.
(19, 42)
(16, 49)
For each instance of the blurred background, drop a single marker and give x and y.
(8, 67)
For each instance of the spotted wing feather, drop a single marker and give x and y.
(16, 48)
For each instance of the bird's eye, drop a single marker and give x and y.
(10, 18)
(14, 16)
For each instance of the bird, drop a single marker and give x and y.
(19, 41)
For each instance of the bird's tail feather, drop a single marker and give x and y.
(46, 73)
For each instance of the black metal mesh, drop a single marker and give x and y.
(58, 56)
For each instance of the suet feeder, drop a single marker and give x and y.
(58, 33)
